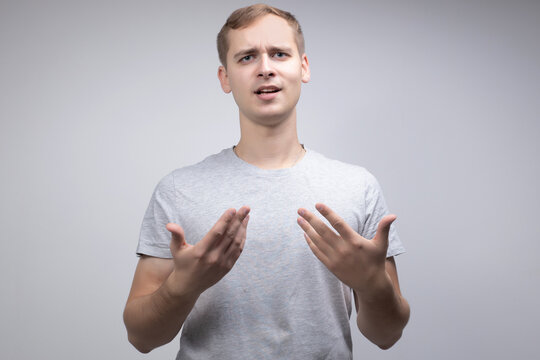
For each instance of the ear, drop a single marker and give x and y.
(306, 74)
(224, 79)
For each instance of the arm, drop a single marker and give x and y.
(383, 312)
(154, 314)
(165, 290)
(361, 264)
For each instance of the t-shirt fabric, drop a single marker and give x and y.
(278, 301)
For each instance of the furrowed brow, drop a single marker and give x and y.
(275, 49)
(272, 49)
(244, 52)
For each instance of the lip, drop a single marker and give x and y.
(267, 96)
(267, 87)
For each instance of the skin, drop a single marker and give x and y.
(165, 290)
(362, 265)
(269, 138)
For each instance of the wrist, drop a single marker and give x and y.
(174, 288)
(378, 288)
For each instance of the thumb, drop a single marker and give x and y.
(383, 229)
(177, 236)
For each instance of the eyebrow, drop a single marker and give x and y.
(272, 49)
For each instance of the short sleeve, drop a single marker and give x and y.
(376, 209)
(154, 238)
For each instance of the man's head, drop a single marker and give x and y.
(246, 16)
(264, 65)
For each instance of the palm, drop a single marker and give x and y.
(355, 260)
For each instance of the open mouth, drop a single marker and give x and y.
(266, 91)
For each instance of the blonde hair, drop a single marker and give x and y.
(245, 16)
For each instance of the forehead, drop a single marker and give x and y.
(269, 30)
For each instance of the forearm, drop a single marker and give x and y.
(155, 319)
(382, 314)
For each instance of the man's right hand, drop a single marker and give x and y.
(198, 267)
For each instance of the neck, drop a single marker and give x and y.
(269, 147)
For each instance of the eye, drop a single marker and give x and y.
(246, 58)
(280, 55)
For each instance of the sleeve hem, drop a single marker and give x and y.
(153, 251)
(395, 252)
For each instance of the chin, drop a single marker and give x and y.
(270, 118)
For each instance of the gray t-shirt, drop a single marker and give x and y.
(278, 301)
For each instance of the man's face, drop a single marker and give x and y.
(264, 70)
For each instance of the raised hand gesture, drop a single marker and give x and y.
(198, 267)
(353, 259)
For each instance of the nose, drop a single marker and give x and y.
(265, 68)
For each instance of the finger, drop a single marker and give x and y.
(324, 245)
(237, 246)
(336, 221)
(316, 251)
(177, 237)
(245, 224)
(218, 230)
(383, 230)
(320, 227)
(233, 228)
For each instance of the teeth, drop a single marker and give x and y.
(266, 91)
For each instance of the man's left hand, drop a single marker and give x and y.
(353, 259)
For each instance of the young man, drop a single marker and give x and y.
(308, 229)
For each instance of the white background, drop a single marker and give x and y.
(439, 99)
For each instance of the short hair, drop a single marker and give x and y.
(243, 17)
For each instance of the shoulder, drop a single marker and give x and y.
(343, 172)
(190, 175)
